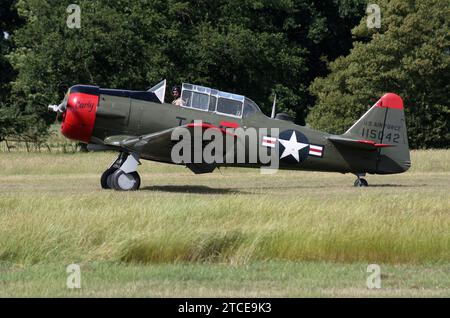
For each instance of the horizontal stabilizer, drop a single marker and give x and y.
(360, 144)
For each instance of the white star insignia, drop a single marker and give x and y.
(292, 146)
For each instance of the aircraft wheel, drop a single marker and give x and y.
(122, 181)
(105, 180)
(361, 183)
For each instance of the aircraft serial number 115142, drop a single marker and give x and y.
(140, 125)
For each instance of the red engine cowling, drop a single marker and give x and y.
(79, 118)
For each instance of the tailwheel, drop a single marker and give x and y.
(105, 179)
(122, 181)
(360, 182)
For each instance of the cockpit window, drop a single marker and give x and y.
(250, 107)
(229, 106)
(212, 103)
(200, 101)
(212, 100)
(186, 98)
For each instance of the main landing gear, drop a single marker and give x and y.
(122, 174)
(361, 182)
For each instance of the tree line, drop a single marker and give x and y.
(320, 58)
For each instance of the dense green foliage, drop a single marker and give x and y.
(410, 56)
(9, 21)
(252, 47)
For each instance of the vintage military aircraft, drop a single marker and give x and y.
(139, 124)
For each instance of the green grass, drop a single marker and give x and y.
(230, 233)
(262, 279)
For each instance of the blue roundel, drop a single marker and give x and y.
(294, 146)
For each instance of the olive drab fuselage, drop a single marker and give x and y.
(116, 119)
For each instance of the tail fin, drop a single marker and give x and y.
(384, 124)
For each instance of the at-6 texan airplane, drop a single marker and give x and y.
(139, 125)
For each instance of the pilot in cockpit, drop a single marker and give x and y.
(176, 93)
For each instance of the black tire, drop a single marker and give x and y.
(109, 182)
(122, 181)
(104, 178)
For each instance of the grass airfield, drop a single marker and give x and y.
(232, 233)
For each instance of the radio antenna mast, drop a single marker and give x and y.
(274, 105)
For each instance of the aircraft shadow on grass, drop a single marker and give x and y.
(194, 189)
(398, 185)
(198, 189)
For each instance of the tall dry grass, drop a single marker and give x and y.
(51, 209)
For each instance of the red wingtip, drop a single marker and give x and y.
(390, 100)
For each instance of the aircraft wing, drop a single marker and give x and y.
(359, 144)
(137, 142)
(117, 140)
(161, 143)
